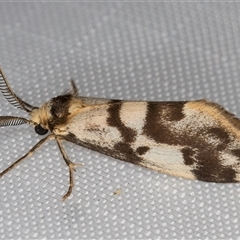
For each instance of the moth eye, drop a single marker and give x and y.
(40, 130)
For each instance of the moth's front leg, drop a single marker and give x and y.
(30, 152)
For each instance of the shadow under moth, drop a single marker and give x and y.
(190, 139)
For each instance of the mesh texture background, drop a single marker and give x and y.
(138, 51)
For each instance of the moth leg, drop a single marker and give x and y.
(30, 152)
(71, 167)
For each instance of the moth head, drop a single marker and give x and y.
(54, 113)
(43, 118)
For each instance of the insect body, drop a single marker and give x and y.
(190, 139)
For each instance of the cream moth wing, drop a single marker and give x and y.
(194, 140)
(190, 139)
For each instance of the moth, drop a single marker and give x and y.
(189, 139)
